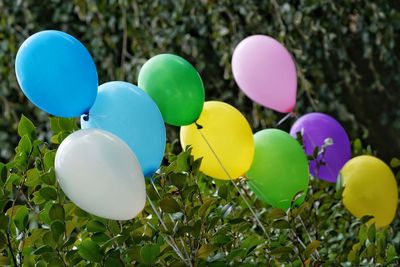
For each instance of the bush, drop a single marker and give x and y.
(189, 220)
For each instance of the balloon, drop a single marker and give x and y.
(315, 129)
(175, 86)
(57, 74)
(128, 112)
(266, 72)
(370, 188)
(100, 174)
(279, 170)
(230, 137)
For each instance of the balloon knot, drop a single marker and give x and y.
(199, 127)
(85, 117)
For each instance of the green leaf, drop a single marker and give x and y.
(250, 242)
(395, 162)
(49, 177)
(363, 234)
(48, 193)
(178, 179)
(71, 240)
(114, 227)
(3, 172)
(204, 251)
(89, 250)
(14, 179)
(42, 249)
(281, 224)
(366, 218)
(21, 217)
(96, 226)
(57, 212)
(182, 164)
(4, 220)
(221, 239)
(44, 214)
(42, 263)
(223, 191)
(25, 127)
(66, 124)
(25, 144)
(391, 252)
(4, 261)
(57, 228)
(207, 203)
(3, 240)
(196, 166)
(54, 125)
(100, 238)
(281, 250)
(113, 259)
(152, 193)
(276, 214)
(312, 247)
(372, 233)
(48, 159)
(169, 205)
(149, 253)
(237, 253)
(32, 177)
(357, 145)
(371, 250)
(37, 198)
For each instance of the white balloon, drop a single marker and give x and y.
(100, 174)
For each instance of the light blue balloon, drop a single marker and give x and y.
(57, 74)
(129, 112)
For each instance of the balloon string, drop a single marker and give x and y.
(287, 116)
(170, 242)
(234, 184)
(309, 237)
(172, 219)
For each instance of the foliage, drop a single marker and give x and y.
(347, 53)
(199, 221)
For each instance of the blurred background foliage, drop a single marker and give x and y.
(347, 54)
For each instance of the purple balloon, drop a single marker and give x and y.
(318, 129)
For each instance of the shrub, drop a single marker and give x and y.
(189, 220)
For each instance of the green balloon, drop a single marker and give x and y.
(175, 86)
(279, 170)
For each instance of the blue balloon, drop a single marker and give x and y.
(57, 74)
(129, 112)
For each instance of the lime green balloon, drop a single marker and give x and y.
(175, 86)
(279, 170)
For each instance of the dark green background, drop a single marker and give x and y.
(347, 54)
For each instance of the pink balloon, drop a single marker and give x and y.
(265, 71)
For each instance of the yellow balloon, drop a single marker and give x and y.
(370, 188)
(228, 134)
